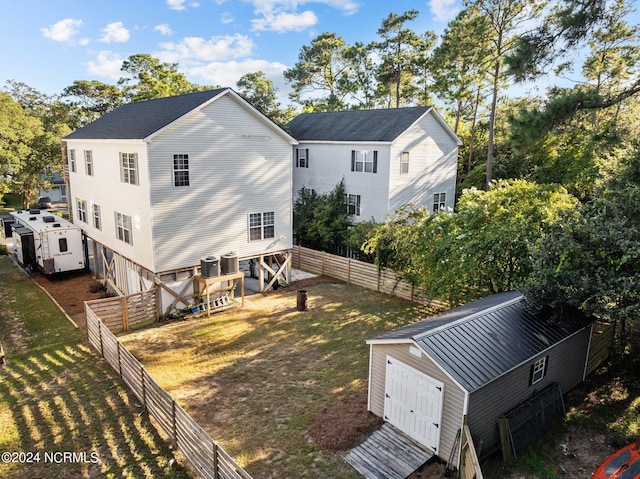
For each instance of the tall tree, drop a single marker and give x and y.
(361, 81)
(319, 75)
(147, 78)
(398, 50)
(505, 18)
(91, 99)
(485, 247)
(260, 92)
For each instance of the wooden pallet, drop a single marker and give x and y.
(388, 454)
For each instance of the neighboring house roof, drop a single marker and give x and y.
(480, 341)
(140, 120)
(383, 125)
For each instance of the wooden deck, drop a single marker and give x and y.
(388, 454)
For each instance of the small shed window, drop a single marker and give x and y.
(62, 243)
(538, 370)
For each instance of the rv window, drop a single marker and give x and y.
(62, 242)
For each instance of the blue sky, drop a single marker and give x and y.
(48, 44)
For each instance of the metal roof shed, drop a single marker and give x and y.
(478, 360)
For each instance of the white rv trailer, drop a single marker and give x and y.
(47, 242)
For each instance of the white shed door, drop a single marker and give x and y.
(413, 403)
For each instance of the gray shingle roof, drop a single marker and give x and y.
(355, 125)
(140, 119)
(480, 341)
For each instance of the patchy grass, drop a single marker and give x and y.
(57, 396)
(9, 203)
(255, 377)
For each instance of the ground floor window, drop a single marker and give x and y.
(353, 204)
(123, 228)
(439, 201)
(261, 226)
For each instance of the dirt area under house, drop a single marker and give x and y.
(574, 453)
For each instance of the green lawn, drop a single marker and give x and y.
(57, 396)
(255, 377)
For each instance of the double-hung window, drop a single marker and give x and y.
(404, 163)
(365, 161)
(302, 157)
(81, 206)
(439, 201)
(123, 228)
(72, 160)
(180, 170)
(97, 222)
(353, 204)
(129, 168)
(261, 226)
(88, 162)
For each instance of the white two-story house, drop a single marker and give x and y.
(387, 158)
(163, 183)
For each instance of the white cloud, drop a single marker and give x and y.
(176, 4)
(163, 28)
(63, 31)
(444, 10)
(180, 4)
(196, 49)
(107, 64)
(115, 32)
(228, 73)
(227, 17)
(284, 22)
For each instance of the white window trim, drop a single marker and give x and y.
(127, 178)
(124, 225)
(266, 226)
(439, 201)
(72, 160)
(539, 370)
(180, 156)
(97, 217)
(81, 207)
(404, 162)
(88, 162)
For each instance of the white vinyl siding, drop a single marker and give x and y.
(243, 166)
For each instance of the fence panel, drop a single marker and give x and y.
(206, 457)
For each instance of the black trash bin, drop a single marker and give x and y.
(301, 303)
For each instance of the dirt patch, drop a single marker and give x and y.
(70, 290)
(344, 424)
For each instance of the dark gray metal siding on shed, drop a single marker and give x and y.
(566, 362)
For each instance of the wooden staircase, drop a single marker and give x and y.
(388, 454)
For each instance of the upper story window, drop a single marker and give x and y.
(81, 206)
(129, 168)
(353, 204)
(439, 201)
(88, 162)
(404, 163)
(261, 226)
(123, 228)
(72, 160)
(364, 160)
(180, 170)
(302, 157)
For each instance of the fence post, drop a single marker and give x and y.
(144, 387)
(125, 313)
(119, 363)
(348, 270)
(100, 334)
(322, 266)
(216, 473)
(173, 419)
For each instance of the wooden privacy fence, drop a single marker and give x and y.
(207, 458)
(359, 273)
(602, 336)
(123, 312)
